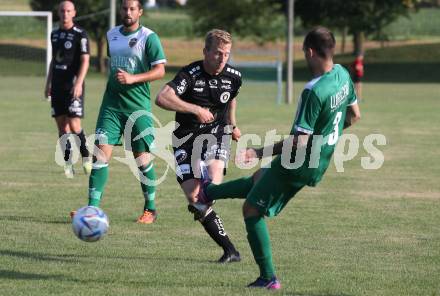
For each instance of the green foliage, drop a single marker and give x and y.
(257, 19)
(168, 23)
(419, 25)
(22, 27)
(368, 16)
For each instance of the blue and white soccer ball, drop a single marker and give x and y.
(90, 224)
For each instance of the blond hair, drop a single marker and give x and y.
(217, 37)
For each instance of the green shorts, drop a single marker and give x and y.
(273, 191)
(111, 125)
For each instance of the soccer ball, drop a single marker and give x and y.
(90, 224)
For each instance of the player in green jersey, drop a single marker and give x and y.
(136, 57)
(328, 104)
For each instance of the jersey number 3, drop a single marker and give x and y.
(333, 137)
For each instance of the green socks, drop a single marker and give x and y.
(238, 188)
(98, 179)
(148, 189)
(259, 240)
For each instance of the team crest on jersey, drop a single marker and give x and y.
(67, 45)
(132, 42)
(180, 155)
(212, 83)
(224, 97)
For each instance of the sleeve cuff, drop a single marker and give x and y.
(163, 61)
(303, 130)
(354, 103)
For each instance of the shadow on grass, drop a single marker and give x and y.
(50, 220)
(40, 256)
(313, 294)
(75, 258)
(15, 275)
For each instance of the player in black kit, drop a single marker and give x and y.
(203, 96)
(65, 84)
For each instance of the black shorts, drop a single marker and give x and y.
(214, 144)
(62, 102)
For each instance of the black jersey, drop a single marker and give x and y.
(67, 48)
(193, 85)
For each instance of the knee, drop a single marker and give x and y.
(75, 126)
(250, 210)
(63, 129)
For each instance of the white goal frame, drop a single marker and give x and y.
(48, 15)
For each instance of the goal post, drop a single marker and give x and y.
(48, 16)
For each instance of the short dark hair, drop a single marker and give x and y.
(140, 3)
(322, 41)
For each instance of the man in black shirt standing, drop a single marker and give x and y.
(203, 96)
(65, 83)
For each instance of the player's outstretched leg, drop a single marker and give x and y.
(210, 192)
(149, 190)
(213, 225)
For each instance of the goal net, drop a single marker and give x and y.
(25, 43)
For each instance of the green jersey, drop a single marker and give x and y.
(321, 113)
(134, 52)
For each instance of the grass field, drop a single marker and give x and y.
(361, 232)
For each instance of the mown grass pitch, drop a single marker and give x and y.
(361, 232)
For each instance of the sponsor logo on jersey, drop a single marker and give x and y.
(76, 108)
(198, 89)
(183, 169)
(212, 83)
(224, 97)
(180, 155)
(84, 44)
(61, 67)
(230, 70)
(67, 45)
(200, 83)
(182, 86)
(337, 99)
(114, 38)
(193, 70)
(62, 35)
(132, 42)
(226, 81)
(225, 86)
